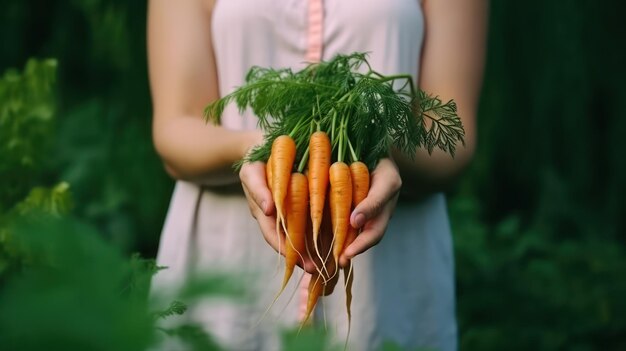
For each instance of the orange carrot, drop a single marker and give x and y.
(360, 181)
(283, 155)
(340, 204)
(352, 234)
(360, 187)
(348, 276)
(316, 289)
(326, 242)
(319, 164)
(316, 284)
(296, 206)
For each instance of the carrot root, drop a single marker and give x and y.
(319, 164)
(297, 210)
(340, 204)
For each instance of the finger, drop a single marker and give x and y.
(252, 176)
(385, 185)
(371, 235)
(268, 227)
(308, 265)
(344, 261)
(267, 224)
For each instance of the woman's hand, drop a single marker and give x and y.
(252, 176)
(261, 204)
(374, 212)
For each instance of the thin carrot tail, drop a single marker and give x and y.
(280, 220)
(290, 268)
(274, 302)
(288, 273)
(319, 255)
(309, 237)
(318, 238)
(328, 288)
(316, 289)
(278, 228)
(337, 249)
(308, 252)
(328, 255)
(348, 276)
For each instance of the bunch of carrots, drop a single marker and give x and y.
(326, 126)
(313, 207)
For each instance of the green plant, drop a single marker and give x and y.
(26, 110)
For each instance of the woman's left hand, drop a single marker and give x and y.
(374, 212)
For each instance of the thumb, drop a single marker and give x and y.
(385, 185)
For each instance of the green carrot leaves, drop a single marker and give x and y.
(363, 111)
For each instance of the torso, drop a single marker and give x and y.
(274, 33)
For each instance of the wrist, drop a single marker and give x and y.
(250, 139)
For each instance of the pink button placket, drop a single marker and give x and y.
(315, 33)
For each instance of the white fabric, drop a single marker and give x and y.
(404, 287)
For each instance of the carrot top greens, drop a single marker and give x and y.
(365, 114)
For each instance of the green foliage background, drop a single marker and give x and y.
(539, 219)
(102, 134)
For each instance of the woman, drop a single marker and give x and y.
(200, 50)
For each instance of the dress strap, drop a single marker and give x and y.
(315, 31)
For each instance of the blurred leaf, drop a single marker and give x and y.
(308, 339)
(175, 308)
(56, 200)
(193, 337)
(26, 107)
(68, 297)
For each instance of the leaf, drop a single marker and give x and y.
(194, 337)
(175, 308)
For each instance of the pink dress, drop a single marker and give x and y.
(403, 287)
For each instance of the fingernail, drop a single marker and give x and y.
(264, 206)
(359, 220)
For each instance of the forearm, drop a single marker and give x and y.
(195, 151)
(451, 68)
